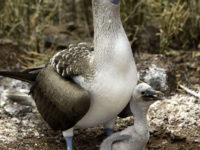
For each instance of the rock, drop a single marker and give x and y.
(156, 77)
(178, 115)
(157, 71)
(16, 109)
(3, 100)
(11, 109)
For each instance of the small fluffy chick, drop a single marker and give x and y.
(134, 137)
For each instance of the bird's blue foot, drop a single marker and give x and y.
(69, 142)
(109, 131)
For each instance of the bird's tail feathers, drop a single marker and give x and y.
(28, 75)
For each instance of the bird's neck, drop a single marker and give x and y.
(108, 32)
(140, 121)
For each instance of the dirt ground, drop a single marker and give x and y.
(90, 139)
(40, 137)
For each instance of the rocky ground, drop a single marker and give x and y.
(174, 121)
(174, 124)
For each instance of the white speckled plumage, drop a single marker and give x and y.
(73, 61)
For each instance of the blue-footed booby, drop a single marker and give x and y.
(85, 86)
(134, 137)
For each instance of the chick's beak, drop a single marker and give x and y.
(152, 95)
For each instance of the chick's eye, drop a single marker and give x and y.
(142, 93)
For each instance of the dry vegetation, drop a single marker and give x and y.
(26, 21)
(36, 23)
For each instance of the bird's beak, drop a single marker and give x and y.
(158, 95)
(116, 2)
(152, 95)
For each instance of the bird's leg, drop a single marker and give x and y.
(68, 141)
(68, 135)
(109, 131)
(109, 127)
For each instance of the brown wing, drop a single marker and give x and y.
(61, 103)
(72, 61)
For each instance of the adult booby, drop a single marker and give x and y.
(84, 88)
(134, 137)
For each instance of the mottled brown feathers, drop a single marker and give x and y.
(73, 61)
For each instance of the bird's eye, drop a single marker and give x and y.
(142, 93)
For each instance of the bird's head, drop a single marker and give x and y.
(145, 93)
